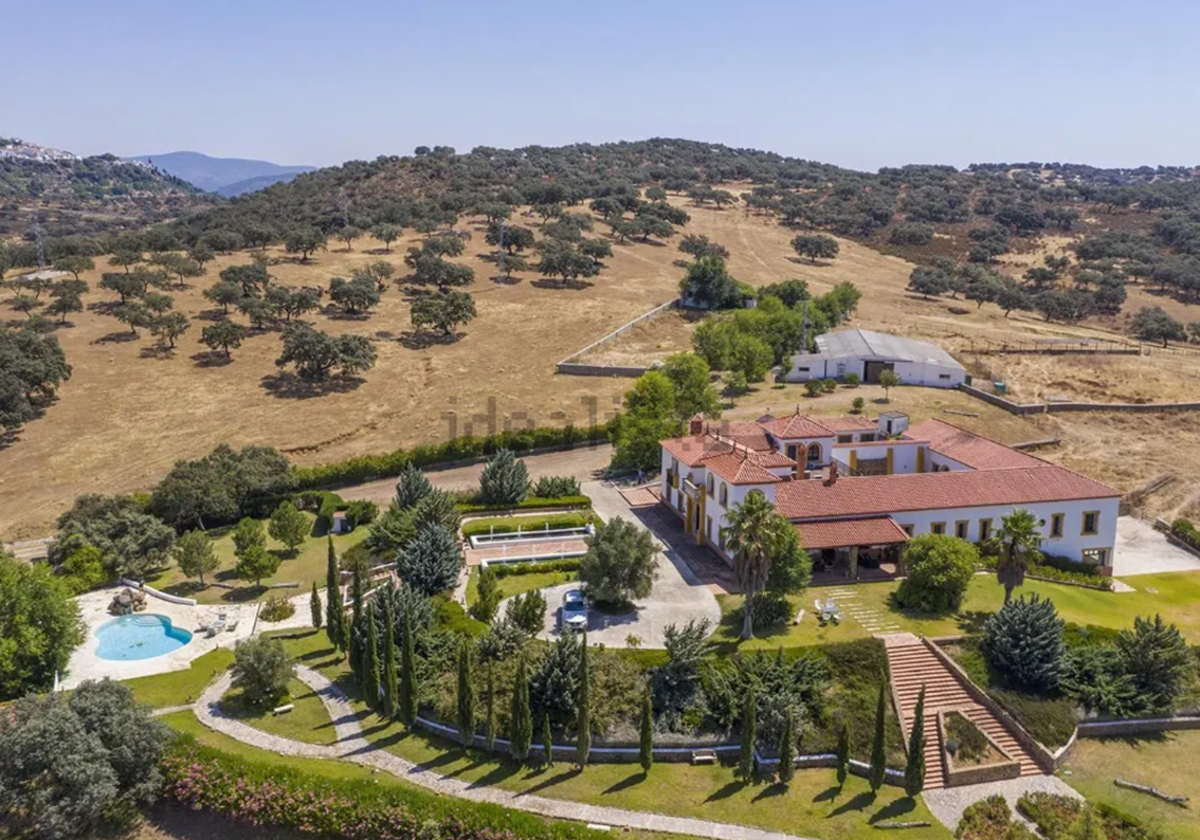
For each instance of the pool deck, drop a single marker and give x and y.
(93, 606)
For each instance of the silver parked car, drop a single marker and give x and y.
(573, 613)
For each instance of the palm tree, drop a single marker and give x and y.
(1018, 540)
(754, 535)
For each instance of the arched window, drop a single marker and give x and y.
(814, 453)
(710, 485)
(724, 498)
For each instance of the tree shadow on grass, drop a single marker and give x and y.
(505, 281)
(155, 351)
(898, 808)
(551, 781)
(503, 771)
(629, 781)
(858, 802)
(726, 790)
(243, 594)
(122, 337)
(560, 285)
(289, 386)
(829, 794)
(210, 359)
(423, 341)
(972, 622)
(771, 791)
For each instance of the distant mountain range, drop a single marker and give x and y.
(224, 176)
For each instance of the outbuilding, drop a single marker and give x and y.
(867, 354)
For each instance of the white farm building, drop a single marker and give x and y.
(867, 354)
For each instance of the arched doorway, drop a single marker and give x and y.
(814, 453)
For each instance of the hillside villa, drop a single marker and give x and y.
(857, 490)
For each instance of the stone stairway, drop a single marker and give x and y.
(912, 665)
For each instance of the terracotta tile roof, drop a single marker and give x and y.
(737, 468)
(691, 450)
(887, 494)
(848, 423)
(748, 434)
(774, 458)
(797, 426)
(841, 533)
(976, 451)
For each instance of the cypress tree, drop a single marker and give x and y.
(914, 769)
(371, 659)
(583, 725)
(466, 696)
(333, 604)
(521, 719)
(347, 636)
(843, 754)
(787, 749)
(878, 752)
(408, 675)
(390, 700)
(547, 741)
(358, 634)
(646, 735)
(489, 732)
(749, 735)
(314, 603)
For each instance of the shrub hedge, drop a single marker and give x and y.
(369, 467)
(530, 503)
(510, 524)
(1054, 815)
(201, 778)
(569, 564)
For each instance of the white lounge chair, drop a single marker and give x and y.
(231, 626)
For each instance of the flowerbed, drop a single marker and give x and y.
(204, 779)
(1053, 815)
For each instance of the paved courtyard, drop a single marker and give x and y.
(1141, 550)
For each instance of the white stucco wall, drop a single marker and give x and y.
(929, 374)
(904, 454)
(911, 373)
(1071, 544)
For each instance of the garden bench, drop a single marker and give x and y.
(704, 757)
(279, 710)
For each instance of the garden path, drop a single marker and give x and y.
(846, 597)
(353, 746)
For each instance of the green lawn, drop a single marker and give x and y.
(1176, 595)
(1170, 762)
(517, 584)
(306, 566)
(180, 688)
(308, 721)
(812, 806)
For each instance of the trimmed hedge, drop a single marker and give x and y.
(510, 524)
(369, 467)
(202, 778)
(503, 570)
(530, 503)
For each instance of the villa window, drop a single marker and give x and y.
(709, 481)
(792, 451)
(938, 528)
(814, 453)
(724, 497)
(866, 437)
(708, 529)
(960, 529)
(845, 438)
(1095, 556)
(908, 529)
(985, 529)
(1091, 523)
(721, 538)
(1056, 525)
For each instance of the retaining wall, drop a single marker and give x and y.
(573, 368)
(1100, 729)
(1023, 409)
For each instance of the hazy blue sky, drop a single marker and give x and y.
(861, 84)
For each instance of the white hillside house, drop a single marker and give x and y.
(867, 354)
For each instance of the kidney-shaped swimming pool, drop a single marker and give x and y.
(131, 637)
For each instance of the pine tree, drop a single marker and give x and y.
(646, 735)
(843, 754)
(787, 749)
(583, 725)
(333, 604)
(878, 752)
(547, 741)
(371, 659)
(914, 769)
(520, 719)
(749, 735)
(315, 604)
(358, 634)
(489, 732)
(408, 675)
(390, 700)
(466, 696)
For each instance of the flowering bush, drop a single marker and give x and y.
(204, 779)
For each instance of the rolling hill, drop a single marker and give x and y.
(224, 176)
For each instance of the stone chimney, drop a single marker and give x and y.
(696, 424)
(833, 474)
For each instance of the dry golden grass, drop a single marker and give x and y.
(124, 418)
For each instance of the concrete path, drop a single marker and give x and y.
(848, 601)
(353, 746)
(1141, 550)
(948, 804)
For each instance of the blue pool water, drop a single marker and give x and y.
(132, 637)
